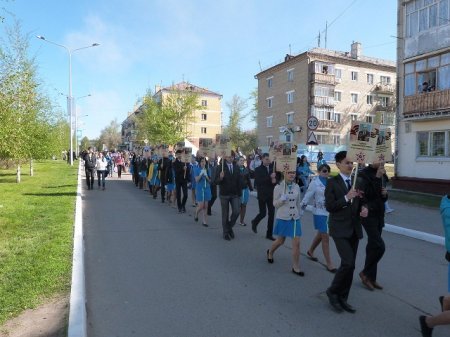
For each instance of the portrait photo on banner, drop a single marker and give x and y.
(363, 142)
(383, 151)
(287, 161)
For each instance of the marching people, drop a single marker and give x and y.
(89, 167)
(342, 201)
(154, 177)
(182, 176)
(316, 193)
(286, 200)
(119, 164)
(374, 196)
(165, 175)
(202, 189)
(143, 172)
(135, 164)
(230, 188)
(265, 181)
(427, 323)
(212, 165)
(247, 187)
(303, 173)
(192, 181)
(102, 169)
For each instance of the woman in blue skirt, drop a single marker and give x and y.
(316, 195)
(202, 189)
(245, 174)
(286, 199)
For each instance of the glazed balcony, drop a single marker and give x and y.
(433, 101)
(327, 124)
(323, 101)
(323, 78)
(384, 88)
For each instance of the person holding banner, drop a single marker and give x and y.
(182, 176)
(247, 187)
(371, 183)
(265, 181)
(342, 201)
(230, 189)
(202, 189)
(286, 200)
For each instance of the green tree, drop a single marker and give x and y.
(236, 106)
(85, 143)
(110, 136)
(254, 109)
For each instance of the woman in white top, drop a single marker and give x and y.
(102, 168)
(316, 193)
(286, 199)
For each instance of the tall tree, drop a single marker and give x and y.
(236, 106)
(110, 136)
(254, 110)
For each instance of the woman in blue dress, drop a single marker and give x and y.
(303, 172)
(245, 174)
(202, 189)
(286, 199)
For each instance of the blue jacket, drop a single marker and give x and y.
(445, 213)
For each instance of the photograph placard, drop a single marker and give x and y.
(363, 141)
(287, 161)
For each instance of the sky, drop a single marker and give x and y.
(218, 45)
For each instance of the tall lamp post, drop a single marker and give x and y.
(69, 98)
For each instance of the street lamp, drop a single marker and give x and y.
(69, 98)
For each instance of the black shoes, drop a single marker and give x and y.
(254, 227)
(299, 273)
(231, 234)
(184, 209)
(226, 237)
(347, 307)
(270, 237)
(334, 301)
(311, 257)
(424, 328)
(205, 225)
(270, 260)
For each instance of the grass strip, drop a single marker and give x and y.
(36, 231)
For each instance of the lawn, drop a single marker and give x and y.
(36, 230)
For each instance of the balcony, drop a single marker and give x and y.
(323, 78)
(385, 88)
(427, 102)
(323, 101)
(327, 124)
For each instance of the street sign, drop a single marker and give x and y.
(312, 140)
(313, 123)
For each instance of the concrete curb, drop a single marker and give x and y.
(77, 315)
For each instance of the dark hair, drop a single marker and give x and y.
(179, 151)
(322, 166)
(264, 155)
(340, 156)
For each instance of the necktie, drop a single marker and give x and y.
(349, 185)
(230, 167)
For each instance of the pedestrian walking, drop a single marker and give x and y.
(265, 181)
(202, 190)
(119, 165)
(316, 195)
(286, 200)
(212, 165)
(303, 173)
(247, 187)
(89, 167)
(165, 175)
(102, 170)
(182, 177)
(343, 204)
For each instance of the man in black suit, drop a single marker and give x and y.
(89, 166)
(230, 190)
(342, 201)
(165, 175)
(182, 176)
(265, 181)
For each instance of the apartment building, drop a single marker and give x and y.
(207, 121)
(423, 68)
(336, 87)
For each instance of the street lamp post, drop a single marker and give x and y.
(69, 97)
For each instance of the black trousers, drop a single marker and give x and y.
(181, 203)
(90, 178)
(213, 197)
(263, 205)
(375, 246)
(163, 192)
(347, 249)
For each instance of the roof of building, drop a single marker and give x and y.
(344, 56)
(186, 86)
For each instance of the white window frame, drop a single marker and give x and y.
(336, 77)
(203, 130)
(290, 96)
(290, 74)
(269, 81)
(369, 99)
(269, 101)
(269, 121)
(354, 75)
(204, 117)
(384, 79)
(290, 116)
(353, 117)
(339, 93)
(352, 95)
(370, 118)
(204, 102)
(370, 76)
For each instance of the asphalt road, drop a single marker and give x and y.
(153, 272)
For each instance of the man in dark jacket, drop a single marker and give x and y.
(265, 181)
(89, 166)
(182, 176)
(165, 172)
(229, 180)
(212, 164)
(370, 181)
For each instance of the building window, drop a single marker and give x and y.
(426, 81)
(354, 75)
(269, 140)
(290, 75)
(370, 99)
(338, 74)
(203, 130)
(369, 78)
(290, 97)
(287, 138)
(290, 118)
(269, 82)
(354, 98)
(336, 139)
(338, 96)
(385, 79)
(204, 102)
(269, 102)
(369, 119)
(438, 144)
(269, 121)
(204, 117)
(384, 101)
(353, 117)
(422, 15)
(433, 143)
(337, 117)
